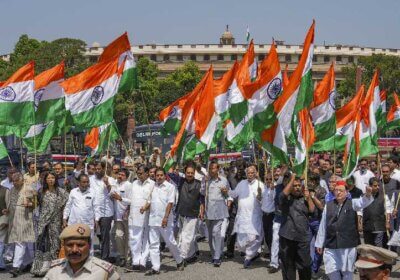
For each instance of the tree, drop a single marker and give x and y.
(46, 55)
(388, 65)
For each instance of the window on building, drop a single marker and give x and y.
(220, 57)
(326, 58)
(338, 47)
(206, 46)
(233, 57)
(140, 46)
(153, 46)
(193, 57)
(314, 59)
(193, 46)
(383, 50)
(166, 46)
(373, 49)
(179, 46)
(351, 59)
(326, 47)
(153, 57)
(362, 49)
(301, 47)
(339, 58)
(234, 45)
(179, 57)
(261, 57)
(288, 47)
(220, 46)
(206, 57)
(93, 59)
(288, 58)
(166, 57)
(261, 46)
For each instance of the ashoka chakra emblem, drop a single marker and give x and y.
(97, 95)
(7, 94)
(274, 88)
(38, 96)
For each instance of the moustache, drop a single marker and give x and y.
(74, 255)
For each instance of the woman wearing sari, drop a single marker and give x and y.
(52, 200)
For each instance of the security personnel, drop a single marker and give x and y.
(374, 262)
(78, 264)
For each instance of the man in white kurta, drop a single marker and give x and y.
(161, 222)
(139, 219)
(339, 262)
(248, 222)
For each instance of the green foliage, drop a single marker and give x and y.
(155, 94)
(390, 73)
(46, 55)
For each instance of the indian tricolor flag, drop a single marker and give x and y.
(186, 133)
(16, 98)
(99, 138)
(246, 72)
(285, 77)
(38, 136)
(89, 96)
(322, 108)
(352, 147)
(260, 96)
(121, 48)
(274, 141)
(344, 117)
(393, 116)
(171, 116)
(305, 139)
(371, 112)
(207, 125)
(299, 92)
(383, 110)
(49, 95)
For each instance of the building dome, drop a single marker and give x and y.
(227, 37)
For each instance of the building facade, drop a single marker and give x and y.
(169, 57)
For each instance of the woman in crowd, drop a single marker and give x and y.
(52, 200)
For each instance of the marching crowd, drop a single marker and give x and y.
(137, 210)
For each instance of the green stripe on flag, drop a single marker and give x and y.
(99, 115)
(16, 114)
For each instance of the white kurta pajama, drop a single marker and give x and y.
(248, 222)
(138, 223)
(339, 260)
(162, 195)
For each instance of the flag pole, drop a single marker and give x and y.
(108, 147)
(12, 165)
(65, 148)
(384, 192)
(20, 150)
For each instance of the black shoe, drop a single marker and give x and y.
(191, 259)
(255, 257)
(14, 272)
(229, 255)
(136, 268)
(242, 254)
(180, 266)
(272, 270)
(217, 263)
(152, 272)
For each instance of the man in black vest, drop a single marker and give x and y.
(338, 236)
(190, 208)
(376, 217)
(294, 244)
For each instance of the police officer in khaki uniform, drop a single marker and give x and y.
(78, 264)
(374, 263)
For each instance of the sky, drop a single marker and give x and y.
(369, 23)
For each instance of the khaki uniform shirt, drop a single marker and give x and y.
(93, 269)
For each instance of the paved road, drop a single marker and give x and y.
(201, 270)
